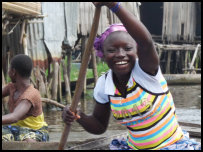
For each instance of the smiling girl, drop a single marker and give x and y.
(134, 89)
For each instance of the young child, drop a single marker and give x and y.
(25, 122)
(134, 89)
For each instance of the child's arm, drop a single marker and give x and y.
(19, 112)
(96, 123)
(148, 57)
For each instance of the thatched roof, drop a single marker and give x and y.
(22, 8)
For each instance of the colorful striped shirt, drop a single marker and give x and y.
(148, 110)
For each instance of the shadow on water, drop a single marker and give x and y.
(187, 101)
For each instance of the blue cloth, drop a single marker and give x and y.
(184, 144)
(16, 133)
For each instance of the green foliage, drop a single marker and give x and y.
(74, 72)
(101, 68)
(8, 79)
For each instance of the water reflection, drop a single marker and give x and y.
(187, 100)
(188, 96)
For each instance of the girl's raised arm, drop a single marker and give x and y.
(148, 57)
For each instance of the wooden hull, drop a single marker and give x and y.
(179, 79)
(98, 144)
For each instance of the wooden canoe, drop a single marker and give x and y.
(179, 79)
(92, 144)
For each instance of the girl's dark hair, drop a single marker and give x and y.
(22, 64)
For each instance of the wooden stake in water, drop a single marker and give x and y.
(82, 73)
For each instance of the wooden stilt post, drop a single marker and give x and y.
(59, 85)
(55, 81)
(168, 62)
(67, 83)
(46, 86)
(186, 60)
(23, 37)
(177, 63)
(41, 85)
(69, 60)
(194, 56)
(84, 40)
(22, 31)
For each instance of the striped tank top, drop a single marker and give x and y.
(150, 118)
(148, 110)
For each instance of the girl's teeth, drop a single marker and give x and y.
(122, 62)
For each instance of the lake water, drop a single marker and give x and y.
(187, 99)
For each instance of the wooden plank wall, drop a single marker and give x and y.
(86, 13)
(179, 21)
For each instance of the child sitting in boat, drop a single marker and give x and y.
(134, 90)
(25, 122)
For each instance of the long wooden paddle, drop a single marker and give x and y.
(81, 77)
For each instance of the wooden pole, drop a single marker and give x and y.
(83, 44)
(94, 67)
(22, 32)
(80, 82)
(55, 81)
(168, 62)
(46, 100)
(67, 83)
(59, 84)
(85, 85)
(194, 56)
(186, 58)
(41, 84)
(69, 60)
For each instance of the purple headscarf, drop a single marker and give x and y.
(98, 42)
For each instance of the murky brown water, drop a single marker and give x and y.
(188, 108)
